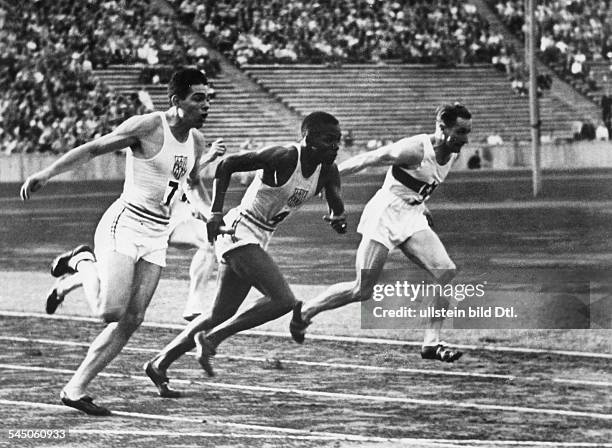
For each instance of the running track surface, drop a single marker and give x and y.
(271, 392)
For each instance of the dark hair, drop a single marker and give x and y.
(182, 80)
(448, 113)
(317, 119)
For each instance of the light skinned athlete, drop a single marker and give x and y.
(289, 176)
(165, 150)
(396, 216)
(188, 218)
(188, 230)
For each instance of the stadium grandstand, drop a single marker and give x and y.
(73, 70)
(516, 235)
(575, 38)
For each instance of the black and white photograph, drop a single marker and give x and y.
(317, 224)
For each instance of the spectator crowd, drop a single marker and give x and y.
(49, 99)
(443, 32)
(573, 34)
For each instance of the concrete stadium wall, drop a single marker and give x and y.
(554, 156)
(16, 167)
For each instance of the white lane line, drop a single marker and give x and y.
(346, 366)
(337, 396)
(528, 443)
(322, 337)
(281, 433)
(290, 433)
(199, 434)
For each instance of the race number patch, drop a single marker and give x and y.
(427, 189)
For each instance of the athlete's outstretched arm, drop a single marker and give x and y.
(336, 218)
(407, 151)
(127, 134)
(266, 159)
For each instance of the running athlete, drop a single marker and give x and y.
(396, 216)
(188, 230)
(289, 176)
(165, 150)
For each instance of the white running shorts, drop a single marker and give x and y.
(390, 220)
(122, 231)
(246, 232)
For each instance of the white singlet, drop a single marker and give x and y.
(395, 212)
(263, 207)
(151, 185)
(137, 224)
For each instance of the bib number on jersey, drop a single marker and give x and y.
(171, 189)
(425, 191)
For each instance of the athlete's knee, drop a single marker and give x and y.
(363, 288)
(285, 306)
(361, 292)
(111, 315)
(286, 300)
(444, 272)
(281, 295)
(205, 322)
(111, 306)
(221, 315)
(447, 275)
(131, 321)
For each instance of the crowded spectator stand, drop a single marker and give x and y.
(344, 31)
(573, 35)
(50, 100)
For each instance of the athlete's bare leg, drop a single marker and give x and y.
(246, 266)
(91, 274)
(369, 262)
(104, 283)
(426, 250)
(88, 277)
(256, 267)
(188, 234)
(200, 270)
(138, 290)
(231, 292)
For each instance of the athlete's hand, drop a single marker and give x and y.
(338, 223)
(217, 149)
(214, 225)
(32, 184)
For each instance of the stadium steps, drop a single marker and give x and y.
(392, 101)
(242, 85)
(236, 113)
